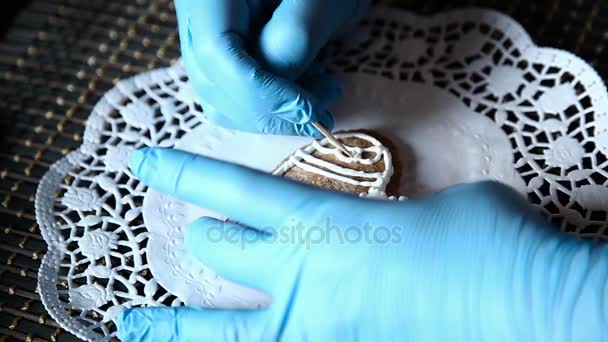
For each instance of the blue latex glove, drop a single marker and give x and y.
(243, 57)
(471, 263)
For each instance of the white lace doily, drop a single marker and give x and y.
(464, 96)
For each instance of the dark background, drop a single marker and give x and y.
(8, 10)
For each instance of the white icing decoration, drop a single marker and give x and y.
(382, 195)
(379, 180)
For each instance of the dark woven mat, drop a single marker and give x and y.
(60, 56)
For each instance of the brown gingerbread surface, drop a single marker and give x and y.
(301, 175)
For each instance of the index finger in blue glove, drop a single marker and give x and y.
(248, 196)
(190, 324)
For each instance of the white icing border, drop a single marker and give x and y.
(379, 180)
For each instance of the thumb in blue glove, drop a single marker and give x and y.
(297, 30)
(471, 263)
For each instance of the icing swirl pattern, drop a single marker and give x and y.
(305, 159)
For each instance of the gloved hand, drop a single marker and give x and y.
(243, 58)
(471, 263)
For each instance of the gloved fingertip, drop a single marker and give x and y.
(131, 324)
(122, 323)
(137, 160)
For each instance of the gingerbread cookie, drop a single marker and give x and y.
(367, 172)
